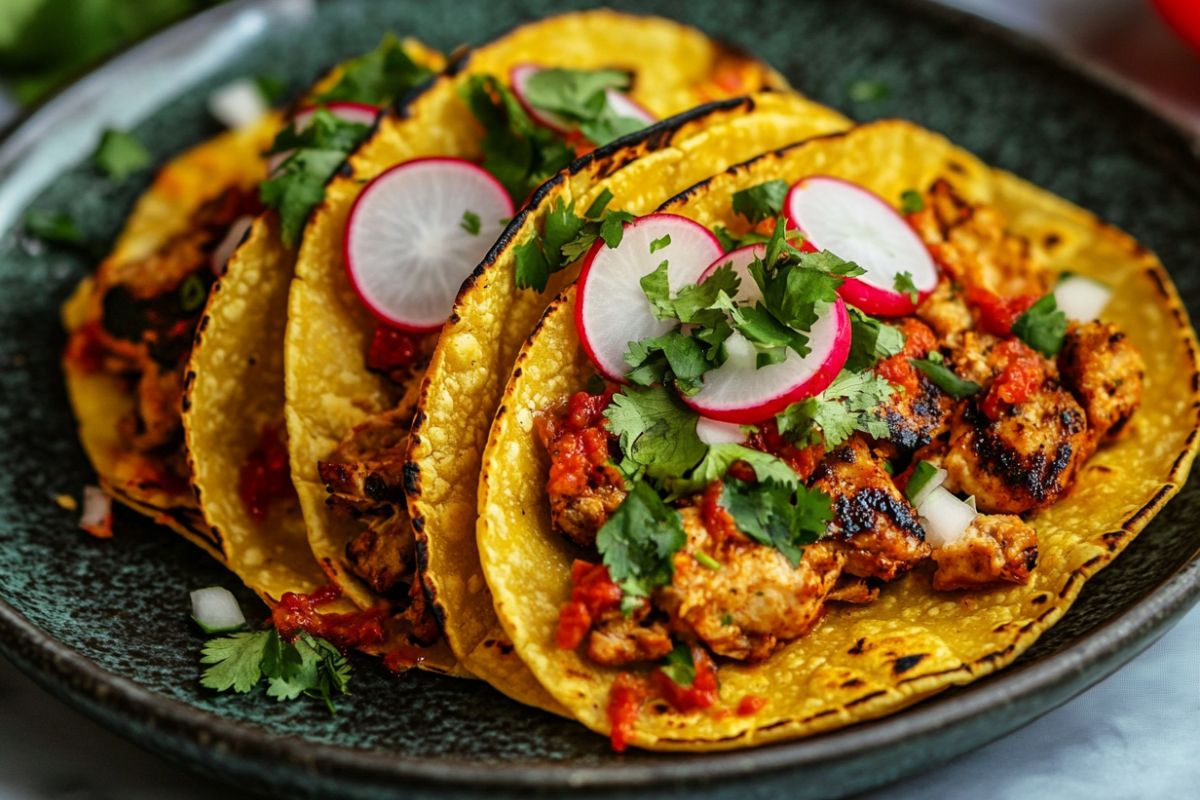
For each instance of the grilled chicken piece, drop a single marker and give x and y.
(1104, 371)
(975, 358)
(873, 523)
(755, 602)
(946, 313)
(855, 591)
(580, 516)
(157, 421)
(616, 639)
(995, 549)
(918, 411)
(973, 247)
(383, 554)
(1025, 459)
(366, 470)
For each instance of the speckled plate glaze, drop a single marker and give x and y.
(104, 624)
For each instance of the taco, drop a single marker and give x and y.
(725, 505)
(174, 332)
(383, 257)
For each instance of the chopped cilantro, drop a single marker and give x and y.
(707, 561)
(119, 154)
(904, 285)
(53, 227)
(596, 209)
(847, 405)
(783, 516)
(718, 460)
(871, 340)
(656, 432)
(471, 223)
(378, 77)
(759, 202)
(581, 97)
(1042, 327)
(660, 243)
(307, 666)
(565, 238)
(517, 152)
(612, 228)
(729, 242)
(673, 357)
(944, 378)
(637, 542)
(316, 152)
(868, 91)
(911, 201)
(679, 666)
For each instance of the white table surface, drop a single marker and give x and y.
(1134, 735)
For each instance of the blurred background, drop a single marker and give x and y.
(44, 44)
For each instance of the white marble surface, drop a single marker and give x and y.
(1134, 735)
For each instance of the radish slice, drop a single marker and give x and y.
(618, 101)
(1081, 298)
(611, 310)
(407, 246)
(711, 432)
(738, 391)
(359, 113)
(233, 237)
(860, 226)
(238, 104)
(945, 517)
(216, 610)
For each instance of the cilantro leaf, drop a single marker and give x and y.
(471, 223)
(378, 77)
(565, 238)
(533, 268)
(729, 242)
(660, 243)
(1042, 326)
(119, 154)
(945, 379)
(679, 666)
(562, 226)
(868, 91)
(638, 540)
(903, 284)
(612, 229)
(847, 405)
(718, 460)
(53, 227)
(518, 153)
(778, 515)
(316, 152)
(759, 202)
(271, 87)
(911, 201)
(581, 96)
(236, 660)
(656, 432)
(871, 340)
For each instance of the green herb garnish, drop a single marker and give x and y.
(871, 341)
(471, 223)
(656, 432)
(847, 405)
(580, 97)
(565, 238)
(868, 91)
(306, 666)
(637, 542)
(53, 227)
(783, 516)
(760, 202)
(119, 154)
(679, 666)
(378, 77)
(944, 378)
(923, 472)
(911, 201)
(903, 284)
(1042, 327)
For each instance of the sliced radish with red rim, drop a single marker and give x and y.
(622, 104)
(409, 245)
(858, 225)
(611, 309)
(740, 391)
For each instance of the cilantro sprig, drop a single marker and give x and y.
(518, 152)
(637, 543)
(308, 665)
(679, 666)
(759, 202)
(314, 154)
(1042, 326)
(119, 154)
(581, 97)
(847, 405)
(378, 77)
(565, 238)
(944, 378)
(785, 516)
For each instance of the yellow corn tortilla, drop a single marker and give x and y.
(235, 389)
(865, 661)
(329, 390)
(491, 319)
(99, 400)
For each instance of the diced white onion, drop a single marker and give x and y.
(233, 237)
(944, 517)
(712, 432)
(216, 610)
(97, 506)
(934, 482)
(238, 104)
(1081, 298)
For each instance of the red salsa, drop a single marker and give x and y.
(997, 314)
(578, 442)
(391, 349)
(1022, 372)
(592, 593)
(265, 477)
(700, 695)
(624, 702)
(298, 612)
(802, 459)
(898, 369)
(750, 705)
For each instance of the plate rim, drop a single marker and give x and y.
(117, 702)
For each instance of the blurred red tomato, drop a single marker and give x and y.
(1184, 17)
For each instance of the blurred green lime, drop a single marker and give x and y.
(45, 43)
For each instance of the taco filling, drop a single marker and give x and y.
(803, 427)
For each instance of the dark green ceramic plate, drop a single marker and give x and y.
(104, 624)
